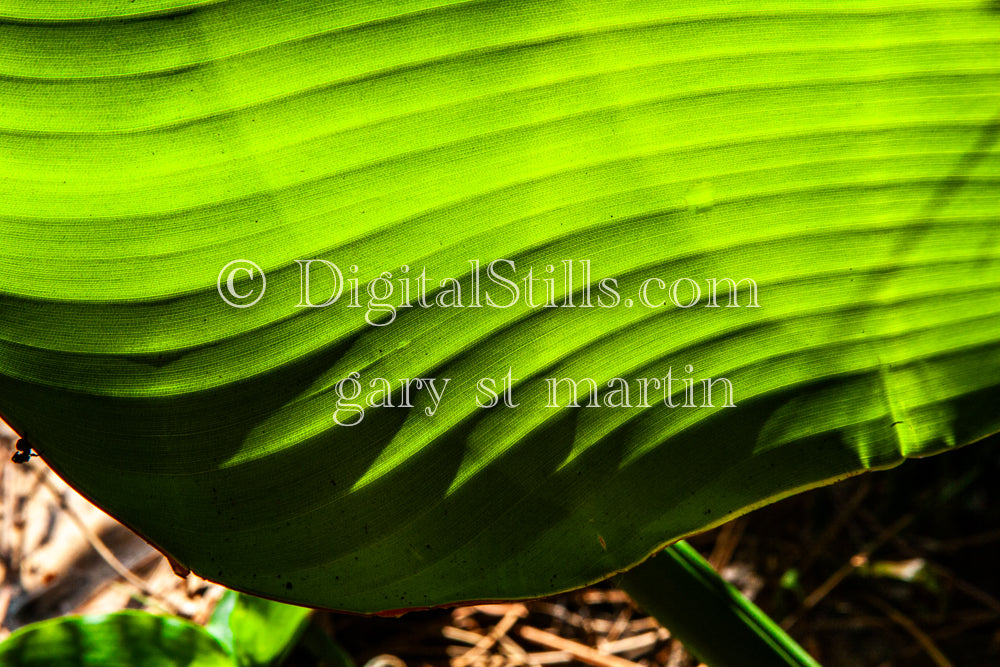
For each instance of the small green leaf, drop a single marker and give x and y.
(218, 624)
(130, 638)
(707, 614)
(257, 631)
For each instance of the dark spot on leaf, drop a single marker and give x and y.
(288, 586)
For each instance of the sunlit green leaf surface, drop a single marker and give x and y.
(843, 156)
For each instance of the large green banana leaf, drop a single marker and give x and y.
(841, 155)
